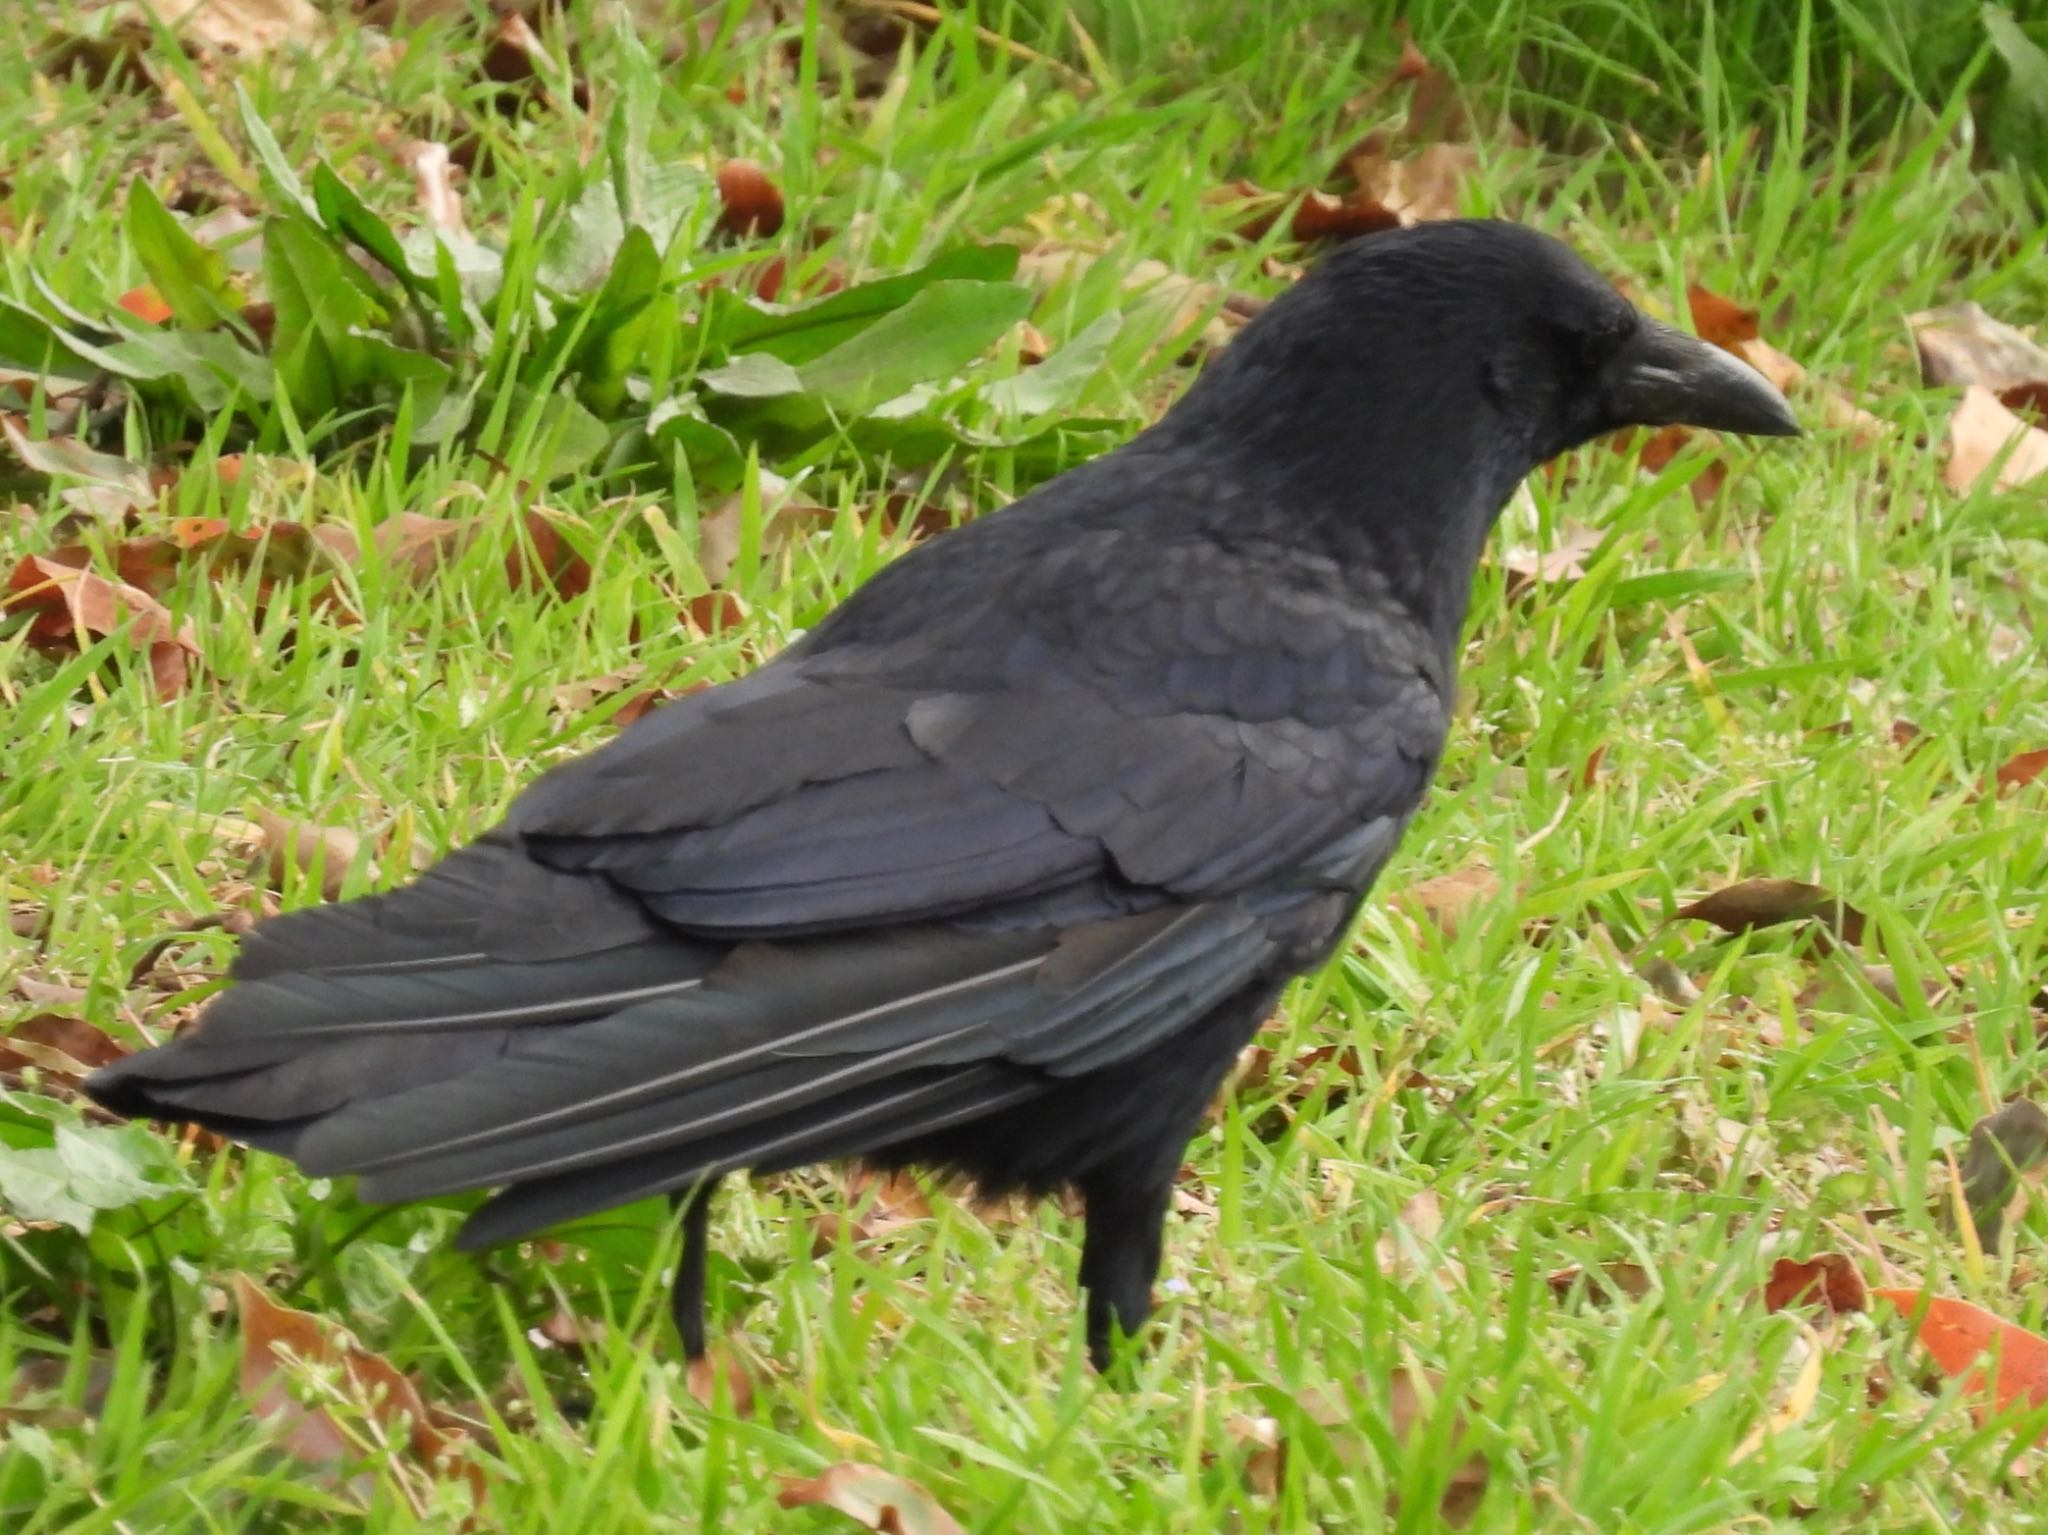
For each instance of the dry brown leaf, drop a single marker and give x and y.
(419, 542)
(1720, 321)
(61, 1047)
(1265, 1468)
(74, 605)
(2018, 771)
(1755, 903)
(721, 528)
(1566, 561)
(1961, 344)
(750, 204)
(1631, 1281)
(1826, 1279)
(1980, 434)
(241, 26)
(721, 1370)
(1447, 899)
(1413, 1237)
(1412, 1397)
(552, 563)
(297, 848)
(879, 1499)
(278, 1342)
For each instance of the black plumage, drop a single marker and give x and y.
(997, 869)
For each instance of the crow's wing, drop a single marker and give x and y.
(851, 788)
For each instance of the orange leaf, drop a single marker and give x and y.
(2023, 769)
(752, 204)
(1718, 320)
(146, 304)
(1826, 1279)
(1958, 1335)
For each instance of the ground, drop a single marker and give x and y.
(1486, 1225)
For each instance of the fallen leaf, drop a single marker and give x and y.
(710, 613)
(1825, 1279)
(296, 848)
(1265, 1468)
(1447, 898)
(750, 203)
(419, 542)
(554, 565)
(722, 528)
(1411, 1397)
(1980, 434)
(72, 605)
(146, 304)
(879, 1499)
(703, 1377)
(278, 1344)
(63, 1048)
(1958, 1335)
(1411, 1238)
(241, 26)
(1756, 903)
(1564, 561)
(2004, 1146)
(2018, 771)
(2029, 400)
(1629, 1281)
(1720, 321)
(1961, 344)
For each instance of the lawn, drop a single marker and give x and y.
(1486, 1228)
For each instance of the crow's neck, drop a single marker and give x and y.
(1398, 484)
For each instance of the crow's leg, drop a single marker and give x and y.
(686, 1301)
(1120, 1252)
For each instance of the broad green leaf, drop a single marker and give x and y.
(714, 456)
(87, 1171)
(31, 343)
(938, 332)
(570, 433)
(2018, 126)
(618, 317)
(211, 366)
(192, 279)
(277, 171)
(671, 196)
(756, 376)
(342, 211)
(636, 88)
(1057, 381)
(798, 334)
(316, 305)
(579, 248)
(73, 458)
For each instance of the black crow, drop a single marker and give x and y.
(996, 870)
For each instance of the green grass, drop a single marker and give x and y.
(1522, 1070)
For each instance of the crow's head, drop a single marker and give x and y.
(1475, 338)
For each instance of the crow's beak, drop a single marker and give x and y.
(1663, 377)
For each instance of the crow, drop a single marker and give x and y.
(997, 869)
